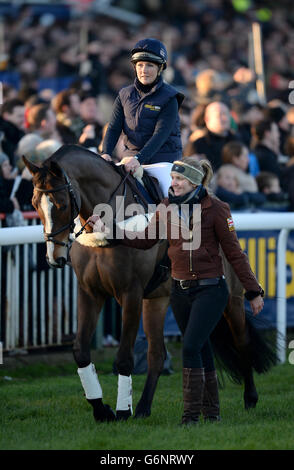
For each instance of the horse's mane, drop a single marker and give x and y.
(67, 149)
(72, 151)
(61, 154)
(67, 155)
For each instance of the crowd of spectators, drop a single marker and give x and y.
(69, 69)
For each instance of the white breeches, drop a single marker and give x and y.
(161, 171)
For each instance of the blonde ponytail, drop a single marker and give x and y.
(207, 170)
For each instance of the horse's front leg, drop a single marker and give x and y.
(88, 312)
(154, 311)
(131, 310)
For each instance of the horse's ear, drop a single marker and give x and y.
(55, 169)
(33, 169)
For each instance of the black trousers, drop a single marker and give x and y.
(197, 311)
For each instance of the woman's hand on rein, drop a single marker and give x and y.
(97, 225)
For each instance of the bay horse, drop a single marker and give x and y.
(70, 183)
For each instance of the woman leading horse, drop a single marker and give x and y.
(199, 290)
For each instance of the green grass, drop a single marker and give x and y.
(43, 407)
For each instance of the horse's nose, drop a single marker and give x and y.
(58, 263)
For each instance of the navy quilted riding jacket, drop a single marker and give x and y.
(145, 116)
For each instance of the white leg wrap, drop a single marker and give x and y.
(124, 393)
(90, 382)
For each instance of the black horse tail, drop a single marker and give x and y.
(260, 353)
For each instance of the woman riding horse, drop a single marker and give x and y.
(147, 114)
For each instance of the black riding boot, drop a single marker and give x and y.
(210, 408)
(193, 389)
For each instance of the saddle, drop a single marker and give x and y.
(147, 192)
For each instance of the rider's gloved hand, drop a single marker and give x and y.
(130, 164)
(106, 157)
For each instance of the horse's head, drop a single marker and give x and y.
(57, 206)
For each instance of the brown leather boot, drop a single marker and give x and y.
(193, 389)
(210, 408)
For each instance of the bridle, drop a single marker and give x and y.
(74, 207)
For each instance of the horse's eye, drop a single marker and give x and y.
(62, 208)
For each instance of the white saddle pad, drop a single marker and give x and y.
(137, 223)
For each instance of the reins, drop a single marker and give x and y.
(125, 178)
(123, 181)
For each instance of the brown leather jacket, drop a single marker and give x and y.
(189, 261)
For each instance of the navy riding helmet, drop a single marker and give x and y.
(150, 50)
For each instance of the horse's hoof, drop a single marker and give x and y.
(123, 415)
(249, 405)
(250, 401)
(102, 412)
(142, 413)
(212, 419)
(109, 413)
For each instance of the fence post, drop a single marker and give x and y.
(281, 295)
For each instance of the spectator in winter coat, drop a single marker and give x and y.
(16, 191)
(228, 190)
(66, 105)
(12, 124)
(278, 115)
(269, 185)
(42, 121)
(7, 204)
(218, 123)
(267, 141)
(288, 173)
(91, 118)
(236, 153)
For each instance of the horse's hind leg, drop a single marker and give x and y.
(88, 311)
(235, 316)
(154, 311)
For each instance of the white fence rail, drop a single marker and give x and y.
(52, 303)
(38, 304)
(284, 222)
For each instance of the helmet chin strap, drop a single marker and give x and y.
(160, 70)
